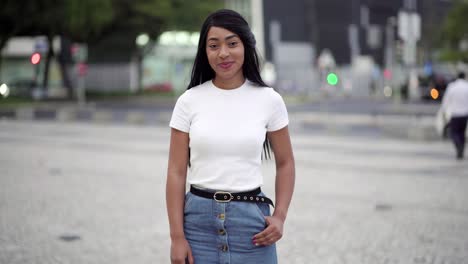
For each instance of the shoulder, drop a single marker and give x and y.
(190, 94)
(268, 98)
(457, 86)
(460, 82)
(265, 91)
(273, 96)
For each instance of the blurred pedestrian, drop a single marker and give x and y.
(455, 105)
(221, 128)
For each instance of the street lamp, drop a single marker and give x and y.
(4, 90)
(141, 41)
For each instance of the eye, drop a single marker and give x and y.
(233, 44)
(212, 46)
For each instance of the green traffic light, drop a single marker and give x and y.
(332, 78)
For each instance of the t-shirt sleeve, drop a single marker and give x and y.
(279, 114)
(181, 117)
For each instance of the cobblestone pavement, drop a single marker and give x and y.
(92, 193)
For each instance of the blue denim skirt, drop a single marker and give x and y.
(221, 233)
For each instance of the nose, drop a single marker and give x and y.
(223, 52)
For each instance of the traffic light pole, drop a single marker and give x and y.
(409, 30)
(413, 32)
(80, 91)
(80, 54)
(37, 89)
(389, 56)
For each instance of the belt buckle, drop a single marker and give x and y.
(226, 197)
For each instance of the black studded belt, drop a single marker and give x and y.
(225, 197)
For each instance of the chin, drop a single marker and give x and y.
(227, 75)
(224, 75)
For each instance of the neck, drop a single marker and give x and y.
(229, 83)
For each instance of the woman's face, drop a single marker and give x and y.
(225, 52)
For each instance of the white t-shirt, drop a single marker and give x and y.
(227, 129)
(455, 100)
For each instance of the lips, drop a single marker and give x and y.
(225, 65)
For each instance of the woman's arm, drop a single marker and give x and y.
(284, 187)
(175, 194)
(285, 170)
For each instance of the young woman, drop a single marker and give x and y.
(219, 128)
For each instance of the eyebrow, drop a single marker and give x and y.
(226, 38)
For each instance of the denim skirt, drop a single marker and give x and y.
(221, 233)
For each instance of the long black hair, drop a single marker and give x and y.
(202, 71)
(234, 22)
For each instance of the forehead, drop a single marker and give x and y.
(219, 33)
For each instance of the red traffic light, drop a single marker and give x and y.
(387, 74)
(35, 58)
(82, 69)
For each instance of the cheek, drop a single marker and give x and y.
(241, 58)
(241, 55)
(211, 58)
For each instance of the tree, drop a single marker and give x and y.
(455, 33)
(190, 14)
(9, 23)
(47, 18)
(89, 21)
(12, 19)
(85, 21)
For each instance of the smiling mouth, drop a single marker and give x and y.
(226, 65)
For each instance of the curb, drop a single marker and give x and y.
(71, 114)
(416, 128)
(406, 127)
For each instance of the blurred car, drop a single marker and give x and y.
(433, 87)
(21, 87)
(159, 87)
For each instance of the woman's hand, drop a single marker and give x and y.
(271, 234)
(181, 251)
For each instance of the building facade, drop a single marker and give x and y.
(355, 26)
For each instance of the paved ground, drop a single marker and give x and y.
(94, 193)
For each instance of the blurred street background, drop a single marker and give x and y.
(87, 89)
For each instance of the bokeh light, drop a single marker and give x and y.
(387, 74)
(142, 39)
(4, 90)
(36, 58)
(194, 38)
(180, 38)
(332, 78)
(388, 91)
(434, 93)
